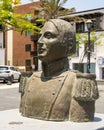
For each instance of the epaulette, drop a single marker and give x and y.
(85, 88)
(86, 75)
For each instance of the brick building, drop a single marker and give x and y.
(18, 47)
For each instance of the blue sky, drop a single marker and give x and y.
(79, 5)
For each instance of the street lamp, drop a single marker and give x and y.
(89, 25)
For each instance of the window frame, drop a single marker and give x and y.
(27, 47)
(27, 62)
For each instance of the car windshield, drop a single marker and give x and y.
(3, 68)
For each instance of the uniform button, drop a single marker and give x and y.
(33, 78)
(46, 112)
(28, 90)
(53, 93)
(59, 80)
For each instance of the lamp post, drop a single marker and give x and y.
(89, 25)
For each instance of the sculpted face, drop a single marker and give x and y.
(49, 46)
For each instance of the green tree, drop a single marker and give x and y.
(12, 20)
(54, 8)
(82, 39)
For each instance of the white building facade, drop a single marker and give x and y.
(2, 49)
(79, 61)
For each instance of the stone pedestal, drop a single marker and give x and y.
(12, 120)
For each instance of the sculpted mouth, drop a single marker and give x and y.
(41, 50)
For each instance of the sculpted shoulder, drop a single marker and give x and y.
(85, 87)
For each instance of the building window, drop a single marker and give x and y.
(82, 67)
(29, 17)
(28, 47)
(1, 27)
(78, 66)
(0, 45)
(80, 27)
(27, 33)
(96, 23)
(28, 62)
(102, 60)
(103, 73)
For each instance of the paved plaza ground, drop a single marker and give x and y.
(12, 120)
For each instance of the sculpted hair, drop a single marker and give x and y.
(66, 33)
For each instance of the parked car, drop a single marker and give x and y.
(9, 73)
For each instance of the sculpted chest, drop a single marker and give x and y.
(47, 99)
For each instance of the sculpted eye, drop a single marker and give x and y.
(49, 35)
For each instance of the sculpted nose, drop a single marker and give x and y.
(40, 45)
(40, 38)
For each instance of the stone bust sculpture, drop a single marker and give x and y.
(58, 93)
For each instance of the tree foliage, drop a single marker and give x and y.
(48, 9)
(54, 8)
(12, 20)
(82, 39)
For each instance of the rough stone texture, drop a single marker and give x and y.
(84, 94)
(85, 88)
(82, 111)
(57, 93)
(23, 81)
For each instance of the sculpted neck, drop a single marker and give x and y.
(55, 67)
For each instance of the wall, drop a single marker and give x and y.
(2, 50)
(2, 56)
(15, 42)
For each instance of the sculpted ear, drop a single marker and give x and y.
(71, 43)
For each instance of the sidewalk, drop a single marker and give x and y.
(12, 120)
(99, 104)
